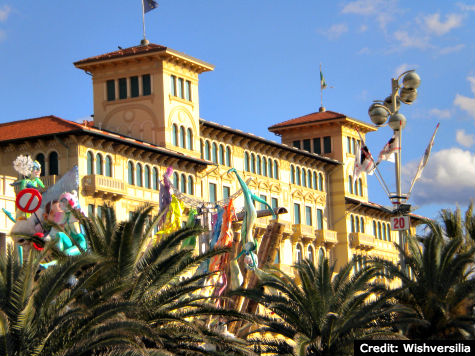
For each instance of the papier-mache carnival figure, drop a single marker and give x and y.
(249, 244)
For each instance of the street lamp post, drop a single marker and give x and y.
(388, 110)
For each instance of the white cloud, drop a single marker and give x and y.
(364, 50)
(435, 25)
(363, 28)
(466, 7)
(410, 40)
(465, 103)
(336, 31)
(381, 10)
(452, 49)
(441, 114)
(402, 68)
(448, 178)
(466, 140)
(4, 12)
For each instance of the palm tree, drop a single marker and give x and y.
(437, 288)
(159, 278)
(323, 313)
(42, 317)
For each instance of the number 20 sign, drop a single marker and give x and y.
(399, 223)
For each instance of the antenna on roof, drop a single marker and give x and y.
(323, 85)
(147, 5)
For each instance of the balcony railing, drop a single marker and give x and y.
(361, 241)
(326, 237)
(93, 184)
(301, 230)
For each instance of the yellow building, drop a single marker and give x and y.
(146, 118)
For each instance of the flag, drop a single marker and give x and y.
(149, 5)
(424, 159)
(391, 147)
(363, 162)
(323, 84)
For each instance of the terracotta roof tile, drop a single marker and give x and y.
(40, 126)
(126, 52)
(313, 117)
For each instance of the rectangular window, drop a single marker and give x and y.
(316, 146)
(348, 141)
(296, 213)
(99, 212)
(180, 88)
(308, 215)
(123, 88)
(188, 90)
(319, 219)
(306, 145)
(173, 85)
(146, 85)
(134, 87)
(110, 90)
(90, 210)
(327, 144)
(263, 197)
(274, 203)
(226, 192)
(296, 144)
(212, 193)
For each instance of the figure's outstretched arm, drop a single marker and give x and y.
(260, 200)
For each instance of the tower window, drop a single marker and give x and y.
(316, 146)
(296, 144)
(122, 88)
(110, 90)
(180, 88)
(327, 144)
(53, 163)
(188, 90)
(306, 145)
(134, 87)
(173, 85)
(146, 85)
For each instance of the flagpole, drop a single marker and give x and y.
(144, 41)
(321, 88)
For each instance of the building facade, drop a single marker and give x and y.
(146, 119)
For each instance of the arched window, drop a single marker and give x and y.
(183, 183)
(362, 224)
(53, 163)
(182, 137)
(350, 184)
(310, 254)
(379, 231)
(321, 255)
(264, 167)
(353, 146)
(258, 165)
(146, 176)
(190, 185)
(269, 168)
(207, 150)
(189, 139)
(357, 225)
(320, 182)
(89, 162)
(292, 175)
(228, 157)
(315, 184)
(309, 179)
(214, 153)
(304, 177)
(99, 164)
(253, 163)
(298, 253)
(246, 162)
(155, 178)
(138, 174)
(276, 170)
(375, 230)
(130, 172)
(388, 231)
(297, 175)
(221, 154)
(356, 187)
(175, 179)
(41, 160)
(352, 219)
(174, 135)
(384, 231)
(201, 149)
(108, 166)
(360, 186)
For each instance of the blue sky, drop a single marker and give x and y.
(267, 55)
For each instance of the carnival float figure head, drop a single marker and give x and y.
(30, 172)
